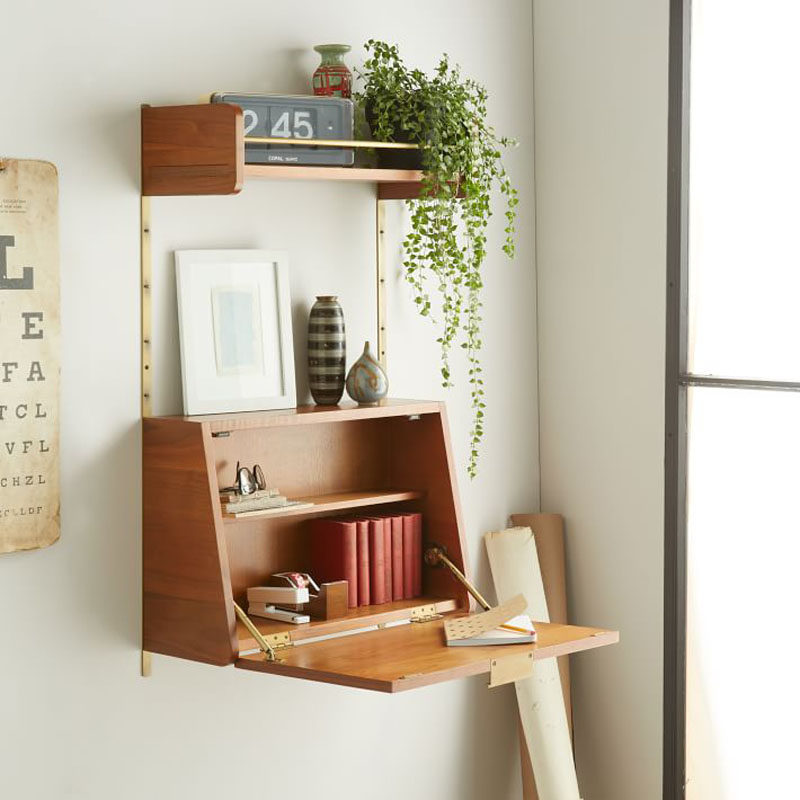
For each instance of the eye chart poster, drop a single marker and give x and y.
(29, 355)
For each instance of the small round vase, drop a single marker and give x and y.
(332, 78)
(326, 351)
(367, 382)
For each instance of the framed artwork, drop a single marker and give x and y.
(234, 318)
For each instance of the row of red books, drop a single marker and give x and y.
(379, 556)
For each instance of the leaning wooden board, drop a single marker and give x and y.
(412, 655)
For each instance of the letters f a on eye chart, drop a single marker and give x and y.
(29, 355)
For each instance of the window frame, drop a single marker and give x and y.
(678, 379)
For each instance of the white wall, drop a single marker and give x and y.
(601, 130)
(76, 721)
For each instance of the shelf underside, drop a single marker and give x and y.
(284, 172)
(392, 184)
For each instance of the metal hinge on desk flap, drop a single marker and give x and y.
(424, 613)
(514, 667)
(279, 641)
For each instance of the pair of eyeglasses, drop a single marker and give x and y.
(249, 481)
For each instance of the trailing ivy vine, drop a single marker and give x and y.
(461, 155)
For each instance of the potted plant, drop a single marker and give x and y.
(445, 114)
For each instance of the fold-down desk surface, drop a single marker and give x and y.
(413, 655)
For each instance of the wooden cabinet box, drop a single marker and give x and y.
(197, 561)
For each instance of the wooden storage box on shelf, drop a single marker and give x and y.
(199, 149)
(196, 562)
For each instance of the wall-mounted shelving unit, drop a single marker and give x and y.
(395, 456)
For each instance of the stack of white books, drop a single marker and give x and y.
(262, 501)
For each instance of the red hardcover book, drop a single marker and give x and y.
(333, 554)
(408, 555)
(387, 558)
(362, 549)
(416, 554)
(397, 557)
(377, 563)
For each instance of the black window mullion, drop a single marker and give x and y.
(674, 701)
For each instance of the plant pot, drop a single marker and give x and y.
(389, 158)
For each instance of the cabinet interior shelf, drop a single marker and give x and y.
(327, 503)
(355, 619)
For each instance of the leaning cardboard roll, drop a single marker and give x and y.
(548, 533)
(515, 568)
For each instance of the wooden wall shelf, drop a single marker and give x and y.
(199, 149)
(196, 562)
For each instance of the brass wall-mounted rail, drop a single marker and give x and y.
(331, 143)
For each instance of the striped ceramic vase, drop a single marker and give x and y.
(326, 351)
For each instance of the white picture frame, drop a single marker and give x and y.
(235, 326)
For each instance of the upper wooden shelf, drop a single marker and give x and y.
(199, 149)
(305, 415)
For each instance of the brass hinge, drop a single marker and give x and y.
(277, 642)
(425, 613)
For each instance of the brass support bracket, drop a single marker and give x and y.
(380, 276)
(424, 614)
(436, 556)
(145, 391)
(146, 305)
(515, 667)
(269, 644)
